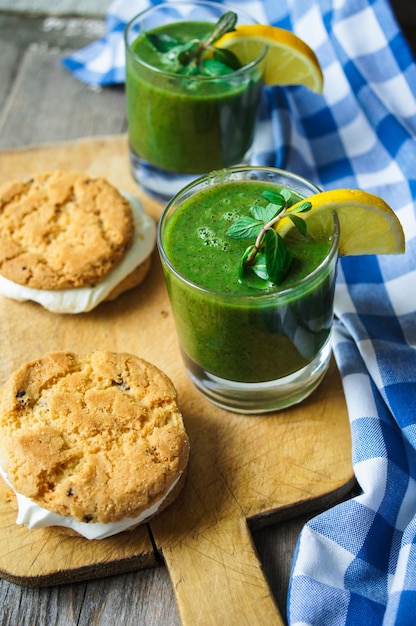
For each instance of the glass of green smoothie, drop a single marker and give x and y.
(190, 117)
(250, 344)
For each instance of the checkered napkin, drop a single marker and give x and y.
(356, 563)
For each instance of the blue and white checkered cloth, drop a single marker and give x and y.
(356, 563)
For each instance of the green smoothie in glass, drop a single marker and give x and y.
(184, 122)
(248, 343)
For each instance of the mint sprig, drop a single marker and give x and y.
(198, 56)
(265, 263)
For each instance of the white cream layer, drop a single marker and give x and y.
(83, 299)
(32, 515)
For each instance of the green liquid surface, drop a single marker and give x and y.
(188, 125)
(238, 333)
(198, 247)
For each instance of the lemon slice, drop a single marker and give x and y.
(368, 225)
(289, 60)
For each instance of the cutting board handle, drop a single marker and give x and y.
(217, 578)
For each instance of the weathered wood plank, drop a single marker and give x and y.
(142, 597)
(47, 104)
(40, 101)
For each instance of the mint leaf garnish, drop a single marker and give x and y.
(299, 223)
(265, 213)
(199, 56)
(265, 263)
(212, 67)
(162, 42)
(245, 228)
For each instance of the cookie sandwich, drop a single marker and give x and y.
(94, 443)
(69, 241)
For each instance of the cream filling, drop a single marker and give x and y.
(32, 515)
(83, 299)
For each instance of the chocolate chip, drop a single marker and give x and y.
(70, 492)
(20, 395)
(120, 383)
(88, 518)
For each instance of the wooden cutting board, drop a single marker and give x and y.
(244, 471)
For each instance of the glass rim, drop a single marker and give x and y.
(261, 295)
(142, 15)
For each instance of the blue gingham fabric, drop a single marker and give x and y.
(356, 563)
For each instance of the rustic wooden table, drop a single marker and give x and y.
(41, 103)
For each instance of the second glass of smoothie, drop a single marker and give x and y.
(247, 350)
(180, 126)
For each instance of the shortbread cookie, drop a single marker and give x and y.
(135, 278)
(62, 229)
(93, 442)
(127, 273)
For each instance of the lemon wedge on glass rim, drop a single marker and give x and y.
(288, 61)
(368, 225)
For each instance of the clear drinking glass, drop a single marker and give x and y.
(261, 351)
(181, 127)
